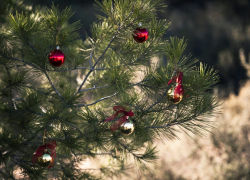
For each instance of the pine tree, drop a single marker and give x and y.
(69, 104)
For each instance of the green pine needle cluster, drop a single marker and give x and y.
(107, 69)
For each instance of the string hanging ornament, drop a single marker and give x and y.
(42, 155)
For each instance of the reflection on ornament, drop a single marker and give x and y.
(127, 127)
(56, 57)
(140, 35)
(175, 94)
(45, 160)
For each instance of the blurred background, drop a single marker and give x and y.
(218, 34)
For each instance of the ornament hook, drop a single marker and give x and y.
(44, 135)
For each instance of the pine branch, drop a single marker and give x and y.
(105, 50)
(94, 88)
(66, 174)
(30, 45)
(36, 89)
(13, 66)
(176, 122)
(75, 128)
(54, 70)
(164, 109)
(33, 112)
(132, 105)
(99, 154)
(76, 68)
(99, 69)
(120, 51)
(54, 87)
(36, 133)
(67, 138)
(104, 98)
(140, 83)
(158, 101)
(167, 125)
(129, 150)
(91, 154)
(23, 61)
(10, 98)
(90, 57)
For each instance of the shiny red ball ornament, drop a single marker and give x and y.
(56, 58)
(140, 35)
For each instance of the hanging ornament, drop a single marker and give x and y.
(56, 57)
(127, 127)
(121, 120)
(140, 34)
(43, 157)
(175, 93)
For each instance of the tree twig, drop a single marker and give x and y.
(107, 97)
(36, 89)
(158, 101)
(90, 57)
(23, 61)
(94, 88)
(129, 150)
(54, 87)
(176, 122)
(75, 128)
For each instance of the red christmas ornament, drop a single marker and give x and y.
(140, 35)
(175, 94)
(56, 57)
(41, 151)
(121, 120)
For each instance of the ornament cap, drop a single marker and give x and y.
(57, 47)
(140, 24)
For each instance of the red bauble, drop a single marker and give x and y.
(56, 58)
(140, 35)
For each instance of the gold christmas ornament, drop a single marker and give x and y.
(45, 159)
(174, 96)
(127, 127)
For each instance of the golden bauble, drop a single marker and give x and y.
(127, 127)
(44, 160)
(174, 98)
